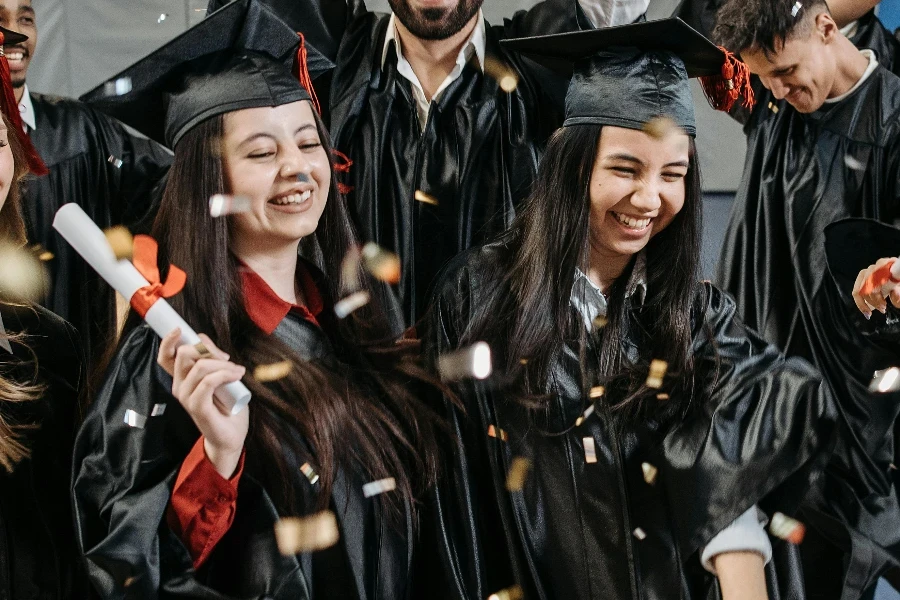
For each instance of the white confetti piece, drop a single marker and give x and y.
(135, 419)
(373, 488)
(474, 361)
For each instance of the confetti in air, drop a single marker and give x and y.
(512, 593)
(273, 372)
(887, 380)
(657, 372)
(590, 451)
(471, 362)
(587, 412)
(162, 17)
(518, 471)
(650, 472)
(662, 396)
(306, 534)
(310, 473)
(42, 254)
(853, 163)
(116, 162)
(597, 391)
(425, 198)
(119, 87)
(158, 410)
(24, 274)
(135, 419)
(350, 269)
(373, 488)
(786, 528)
(496, 432)
(121, 241)
(640, 534)
(796, 8)
(773, 107)
(383, 265)
(352, 302)
(659, 128)
(600, 322)
(506, 77)
(223, 204)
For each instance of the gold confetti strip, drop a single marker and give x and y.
(786, 528)
(224, 204)
(504, 74)
(650, 472)
(600, 322)
(773, 107)
(471, 362)
(597, 391)
(660, 127)
(511, 593)
(657, 372)
(158, 410)
(354, 301)
(640, 534)
(496, 432)
(135, 419)
(121, 241)
(383, 265)
(118, 87)
(884, 381)
(42, 254)
(306, 534)
(23, 276)
(350, 269)
(273, 372)
(518, 471)
(524, 361)
(425, 198)
(129, 581)
(311, 475)
(587, 412)
(662, 396)
(373, 488)
(590, 452)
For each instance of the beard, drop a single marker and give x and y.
(435, 23)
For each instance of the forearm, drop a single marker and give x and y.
(846, 11)
(741, 575)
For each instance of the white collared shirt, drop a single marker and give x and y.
(870, 68)
(26, 109)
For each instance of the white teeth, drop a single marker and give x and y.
(292, 199)
(631, 222)
(15, 56)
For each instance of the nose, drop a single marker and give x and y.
(646, 198)
(295, 165)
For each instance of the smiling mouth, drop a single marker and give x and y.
(632, 222)
(291, 199)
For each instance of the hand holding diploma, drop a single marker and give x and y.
(146, 298)
(877, 283)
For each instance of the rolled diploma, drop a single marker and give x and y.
(88, 240)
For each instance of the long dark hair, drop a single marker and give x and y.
(360, 412)
(12, 226)
(529, 313)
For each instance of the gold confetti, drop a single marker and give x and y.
(886, 380)
(373, 488)
(650, 472)
(129, 581)
(121, 241)
(311, 475)
(590, 451)
(425, 198)
(524, 361)
(471, 362)
(347, 305)
(640, 534)
(511, 593)
(504, 74)
(597, 391)
(273, 372)
(773, 107)
(496, 432)
(518, 470)
(350, 269)
(23, 276)
(42, 254)
(223, 204)
(660, 128)
(662, 396)
(306, 534)
(786, 528)
(657, 372)
(587, 412)
(600, 322)
(383, 265)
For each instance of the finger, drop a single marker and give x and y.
(895, 297)
(857, 299)
(202, 395)
(213, 349)
(198, 371)
(167, 348)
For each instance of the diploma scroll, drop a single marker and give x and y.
(89, 241)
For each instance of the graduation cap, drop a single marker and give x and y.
(629, 75)
(10, 107)
(238, 57)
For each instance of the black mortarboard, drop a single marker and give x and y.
(239, 57)
(629, 75)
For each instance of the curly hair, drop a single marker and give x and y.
(764, 24)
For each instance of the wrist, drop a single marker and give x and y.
(224, 460)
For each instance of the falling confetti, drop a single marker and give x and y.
(660, 128)
(597, 391)
(23, 276)
(590, 452)
(380, 263)
(796, 8)
(853, 163)
(773, 107)
(786, 528)
(310, 473)
(162, 17)
(496, 432)
(425, 198)
(506, 77)
(116, 162)
(42, 254)
(474, 361)
(306, 534)
(158, 410)
(273, 372)
(657, 372)
(600, 322)
(587, 412)
(223, 204)
(518, 470)
(662, 396)
(523, 361)
(650, 472)
(119, 87)
(350, 269)
(135, 419)
(887, 380)
(373, 488)
(121, 241)
(640, 534)
(352, 302)
(512, 593)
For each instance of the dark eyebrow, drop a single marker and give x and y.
(254, 137)
(26, 9)
(307, 126)
(679, 163)
(626, 158)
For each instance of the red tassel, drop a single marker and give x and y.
(342, 164)
(303, 73)
(10, 108)
(733, 82)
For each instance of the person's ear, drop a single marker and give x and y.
(825, 28)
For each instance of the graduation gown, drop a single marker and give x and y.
(477, 155)
(39, 558)
(123, 482)
(802, 173)
(759, 438)
(76, 143)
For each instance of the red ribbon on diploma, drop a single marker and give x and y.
(144, 258)
(878, 278)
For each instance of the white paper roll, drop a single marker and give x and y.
(89, 241)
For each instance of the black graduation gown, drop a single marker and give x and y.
(39, 558)
(802, 173)
(76, 143)
(123, 482)
(477, 155)
(759, 438)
